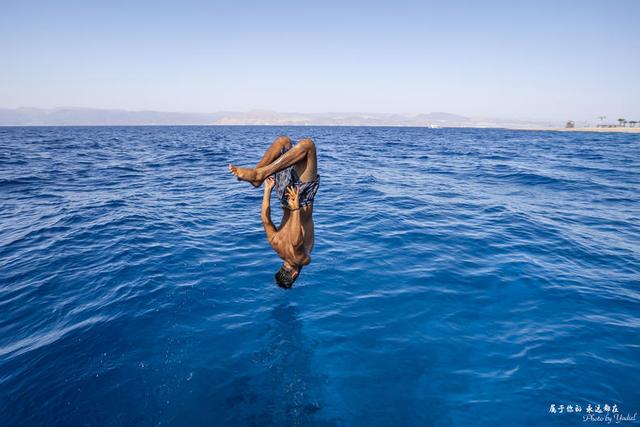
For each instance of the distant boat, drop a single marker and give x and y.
(433, 127)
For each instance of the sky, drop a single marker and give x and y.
(538, 60)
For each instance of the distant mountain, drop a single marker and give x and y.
(94, 116)
(440, 117)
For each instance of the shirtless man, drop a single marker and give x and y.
(293, 171)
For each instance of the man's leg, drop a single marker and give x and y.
(307, 170)
(303, 155)
(273, 152)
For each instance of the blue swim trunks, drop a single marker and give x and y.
(289, 177)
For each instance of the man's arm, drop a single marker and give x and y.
(269, 228)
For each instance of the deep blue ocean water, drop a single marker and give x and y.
(460, 277)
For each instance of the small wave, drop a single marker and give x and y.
(21, 180)
(48, 337)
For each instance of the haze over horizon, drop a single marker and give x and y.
(537, 61)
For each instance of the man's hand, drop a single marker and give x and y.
(269, 183)
(293, 195)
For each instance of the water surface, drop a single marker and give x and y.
(460, 277)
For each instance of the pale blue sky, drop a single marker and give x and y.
(514, 59)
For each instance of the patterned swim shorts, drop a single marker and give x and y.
(289, 177)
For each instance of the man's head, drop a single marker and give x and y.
(287, 275)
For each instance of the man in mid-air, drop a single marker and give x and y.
(293, 171)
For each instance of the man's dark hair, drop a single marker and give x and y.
(284, 277)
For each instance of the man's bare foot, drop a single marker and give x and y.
(245, 174)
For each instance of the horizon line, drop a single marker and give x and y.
(268, 110)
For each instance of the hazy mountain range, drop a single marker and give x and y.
(93, 116)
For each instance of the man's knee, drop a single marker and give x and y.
(283, 141)
(307, 144)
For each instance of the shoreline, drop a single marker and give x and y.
(585, 129)
(523, 128)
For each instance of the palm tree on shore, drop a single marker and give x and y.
(632, 123)
(621, 121)
(601, 118)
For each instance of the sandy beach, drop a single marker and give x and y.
(596, 129)
(586, 129)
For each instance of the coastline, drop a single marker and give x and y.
(585, 129)
(275, 124)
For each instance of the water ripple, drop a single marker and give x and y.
(459, 277)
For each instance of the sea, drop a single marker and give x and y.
(460, 277)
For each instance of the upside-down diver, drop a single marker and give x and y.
(293, 171)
